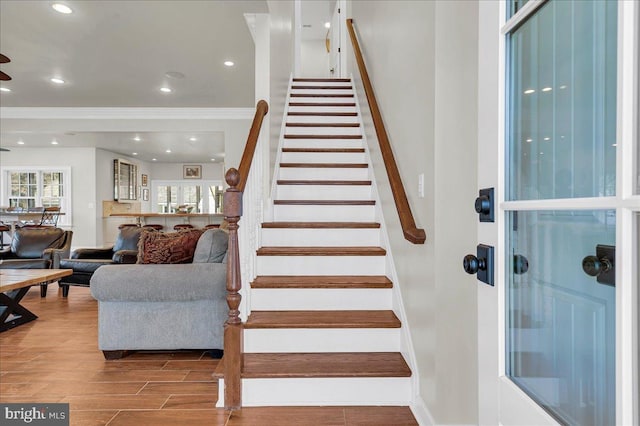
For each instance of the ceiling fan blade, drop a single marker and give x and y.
(4, 59)
(4, 77)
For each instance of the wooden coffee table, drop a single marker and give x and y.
(14, 284)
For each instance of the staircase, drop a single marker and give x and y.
(322, 330)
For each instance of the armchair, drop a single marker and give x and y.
(37, 248)
(85, 261)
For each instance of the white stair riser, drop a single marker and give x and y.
(320, 108)
(348, 90)
(337, 99)
(321, 83)
(321, 237)
(322, 143)
(326, 391)
(290, 130)
(323, 173)
(320, 299)
(283, 213)
(321, 119)
(323, 157)
(324, 192)
(321, 265)
(320, 340)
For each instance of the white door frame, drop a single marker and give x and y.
(500, 400)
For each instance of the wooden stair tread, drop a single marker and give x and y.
(296, 136)
(323, 182)
(322, 319)
(336, 364)
(321, 281)
(320, 251)
(323, 80)
(327, 165)
(321, 104)
(322, 125)
(323, 95)
(324, 150)
(321, 225)
(325, 202)
(320, 87)
(322, 114)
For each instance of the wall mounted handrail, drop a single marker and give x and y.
(233, 327)
(411, 232)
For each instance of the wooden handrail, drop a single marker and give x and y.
(411, 232)
(233, 327)
(262, 108)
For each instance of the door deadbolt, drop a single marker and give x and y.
(481, 263)
(484, 205)
(602, 265)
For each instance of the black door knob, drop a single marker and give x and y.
(483, 204)
(594, 266)
(472, 264)
(520, 264)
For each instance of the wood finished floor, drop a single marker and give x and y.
(56, 359)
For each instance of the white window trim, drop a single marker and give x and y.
(65, 220)
(181, 182)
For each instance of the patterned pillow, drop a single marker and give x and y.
(168, 247)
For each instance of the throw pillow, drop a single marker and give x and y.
(212, 246)
(169, 247)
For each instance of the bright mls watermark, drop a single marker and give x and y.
(35, 414)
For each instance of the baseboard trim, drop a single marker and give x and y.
(421, 412)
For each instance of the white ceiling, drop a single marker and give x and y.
(116, 54)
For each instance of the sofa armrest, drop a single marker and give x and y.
(125, 256)
(25, 264)
(92, 253)
(54, 256)
(160, 283)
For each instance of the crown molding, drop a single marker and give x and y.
(49, 113)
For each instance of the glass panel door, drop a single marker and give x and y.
(561, 145)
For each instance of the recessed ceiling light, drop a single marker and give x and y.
(154, 159)
(229, 63)
(529, 91)
(57, 80)
(134, 153)
(137, 138)
(327, 24)
(193, 139)
(174, 74)
(62, 8)
(529, 140)
(213, 159)
(165, 89)
(168, 151)
(20, 142)
(54, 142)
(547, 89)
(547, 138)
(4, 89)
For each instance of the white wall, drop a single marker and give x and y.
(282, 25)
(170, 171)
(83, 181)
(315, 59)
(426, 85)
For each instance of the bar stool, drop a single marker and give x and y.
(3, 228)
(182, 226)
(125, 225)
(212, 226)
(154, 226)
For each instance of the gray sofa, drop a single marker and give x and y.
(164, 306)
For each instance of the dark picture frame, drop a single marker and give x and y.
(144, 180)
(192, 171)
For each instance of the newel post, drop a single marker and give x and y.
(233, 357)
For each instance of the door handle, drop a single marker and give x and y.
(481, 263)
(484, 205)
(602, 265)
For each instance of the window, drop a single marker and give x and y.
(32, 187)
(203, 197)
